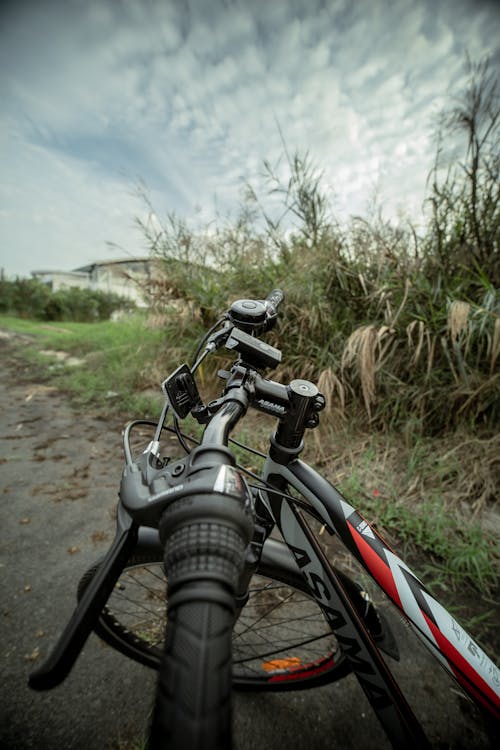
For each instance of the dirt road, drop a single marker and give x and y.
(59, 476)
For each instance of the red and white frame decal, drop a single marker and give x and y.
(438, 630)
(445, 637)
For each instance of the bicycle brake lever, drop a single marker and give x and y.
(219, 338)
(84, 618)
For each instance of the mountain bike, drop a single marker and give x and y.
(217, 576)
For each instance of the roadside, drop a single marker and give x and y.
(60, 473)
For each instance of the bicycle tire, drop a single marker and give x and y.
(193, 697)
(272, 649)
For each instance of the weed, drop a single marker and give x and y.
(425, 498)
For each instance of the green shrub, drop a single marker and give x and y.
(30, 298)
(24, 297)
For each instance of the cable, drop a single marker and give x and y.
(295, 500)
(248, 448)
(180, 436)
(161, 422)
(183, 435)
(126, 437)
(204, 339)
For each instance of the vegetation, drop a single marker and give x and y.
(30, 298)
(107, 367)
(406, 326)
(399, 327)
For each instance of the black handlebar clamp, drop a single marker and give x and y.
(305, 402)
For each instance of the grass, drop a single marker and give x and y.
(434, 503)
(123, 364)
(423, 496)
(420, 497)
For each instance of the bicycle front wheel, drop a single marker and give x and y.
(281, 640)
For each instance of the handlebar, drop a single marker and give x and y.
(274, 299)
(149, 486)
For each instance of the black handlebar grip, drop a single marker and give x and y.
(274, 300)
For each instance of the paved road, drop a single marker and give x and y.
(59, 475)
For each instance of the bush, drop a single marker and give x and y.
(24, 297)
(30, 298)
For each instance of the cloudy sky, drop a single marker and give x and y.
(185, 95)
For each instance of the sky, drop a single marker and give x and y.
(189, 97)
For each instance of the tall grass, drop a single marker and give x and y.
(401, 327)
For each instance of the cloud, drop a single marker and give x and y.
(50, 227)
(187, 96)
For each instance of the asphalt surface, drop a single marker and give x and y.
(59, 476)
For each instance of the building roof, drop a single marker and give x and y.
(113, 262)
(77, 272)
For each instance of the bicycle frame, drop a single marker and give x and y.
(438, 630)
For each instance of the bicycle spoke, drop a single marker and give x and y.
(279, 630)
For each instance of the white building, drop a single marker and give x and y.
(126, 277)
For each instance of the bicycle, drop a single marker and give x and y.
(210, 524)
